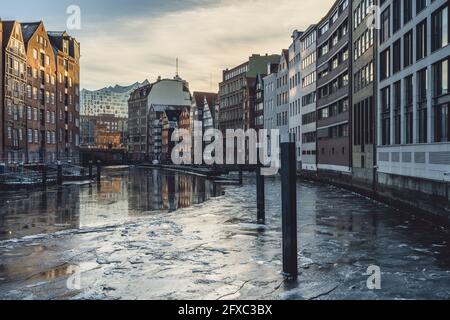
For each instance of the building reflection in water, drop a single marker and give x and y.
(30, 213)
(118, 197)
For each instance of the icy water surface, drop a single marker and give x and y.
(210, 249)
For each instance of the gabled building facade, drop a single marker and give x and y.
(67, 54)
(40, 94)
(14, 77)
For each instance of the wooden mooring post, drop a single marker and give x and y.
(289, 209)
(260, 197)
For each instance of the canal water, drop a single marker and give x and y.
(148, 234)
(120, 197)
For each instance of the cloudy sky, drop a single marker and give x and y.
(127, 41)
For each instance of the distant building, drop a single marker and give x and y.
(105, 138)
(236, 92)
(108, 105)
(334, 90)
(169, 123)
(203, 109)
(110, 100)
(150, 103)
(295, 110)
(270, 98)
(281, 112)
(308, 99)
(165, 95)
(259, 102)
(138, 123)
(13, 74)
(116, 127)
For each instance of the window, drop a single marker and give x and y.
(396, 56)
(386, 116)
(396, 13)
(420, 5)
(441, 123)
(385, 32)
(30, 136)
(440, 28)
(409, 125)
(422, 116)
(408, 49)
(440, 78)
(385, 64)
(397, 98)
(407, 11)
(421, 41)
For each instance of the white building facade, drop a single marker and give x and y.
(413, 91)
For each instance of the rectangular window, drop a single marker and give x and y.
(421, 40)
(397, 98)
(386, 116)
(396, 56)
(407, 49)
(396, 13)
(409, 125)
(440, 28)
(385, 32)
(420, 5)
(422, 115)
(385, 64)
(407, 11)
(440, 78)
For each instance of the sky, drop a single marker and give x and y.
(123, 42)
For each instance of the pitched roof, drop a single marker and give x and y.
(28, 30)
(286, 54)
(199, 98)
(8, 27)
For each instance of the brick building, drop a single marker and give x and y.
(67, 51)
(236, 92)
(40, 94)
(13, 74)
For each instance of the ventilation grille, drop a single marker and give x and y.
(395, 156)
(384, 156)
(407, 157)
(420, 157)
(440, 158)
